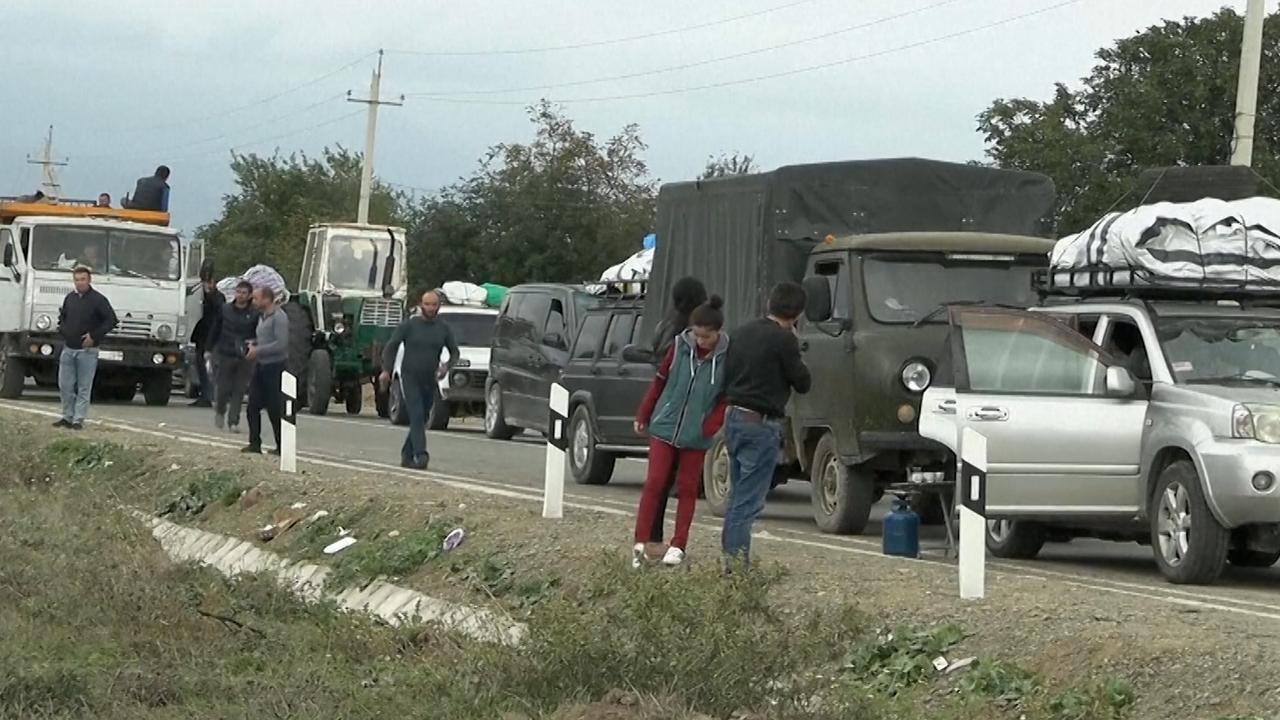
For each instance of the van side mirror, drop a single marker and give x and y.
(637, 354)
(1120, 383)
(818, 293)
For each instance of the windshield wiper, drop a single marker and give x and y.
(1242, 377)
(136, 274)
(943, 307)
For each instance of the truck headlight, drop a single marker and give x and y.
(916, 376)
(339, 328)
(164, 331)
(43, 322)
(1256, 422)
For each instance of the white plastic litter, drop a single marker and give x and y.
(258, 276)
(338, 546)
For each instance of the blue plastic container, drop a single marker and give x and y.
(902, 530)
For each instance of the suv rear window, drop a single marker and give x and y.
(589, 338)
(619, 334)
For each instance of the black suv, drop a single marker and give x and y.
(531, 341)
(605, 389)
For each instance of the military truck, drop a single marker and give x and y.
(350, 298)
(882, 248)
(138, 263)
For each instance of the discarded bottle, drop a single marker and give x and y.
(902, 530)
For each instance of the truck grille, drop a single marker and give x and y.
(132, 329)
(381, 313)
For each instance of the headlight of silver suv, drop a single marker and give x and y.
(1256, 422)
(43, 322)
(916, 376)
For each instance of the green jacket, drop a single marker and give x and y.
(693, 388)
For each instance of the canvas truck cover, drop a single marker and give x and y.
(741, 235)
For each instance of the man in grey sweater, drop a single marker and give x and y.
(270, 350)
(424, 337)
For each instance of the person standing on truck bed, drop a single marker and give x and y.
(270, 350)
(83, 322)
(425, 337)
(763, 367)
(682, 411)
(686, 295)
(230, 338)
(151, 193)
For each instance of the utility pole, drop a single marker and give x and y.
(1247, 89)
(371, 128)
(49, 184)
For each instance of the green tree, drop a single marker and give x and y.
(724, 165)
(278, 197)
(560, 208)
(1163, 97)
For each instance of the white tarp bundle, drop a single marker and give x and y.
(1207, 240)
(464, 293)
(258, 276)
(636, 267)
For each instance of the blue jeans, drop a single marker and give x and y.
(76, 370)
(419, 396)
(753, 445)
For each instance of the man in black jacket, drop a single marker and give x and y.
(202, 335)
(83, 322)
(229, 340)
(151, 193)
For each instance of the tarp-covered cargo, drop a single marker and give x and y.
(741, 235)
(1208, 241)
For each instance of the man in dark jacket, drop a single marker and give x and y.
(83, 322)
(151, 193)
(202, 335)
(229, 340)
(425, 336)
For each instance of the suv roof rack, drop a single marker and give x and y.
(617, 289)
(1135, 284)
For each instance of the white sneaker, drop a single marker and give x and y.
(674, 557)
(637, 556)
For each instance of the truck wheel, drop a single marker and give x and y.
(319, 382)
(441, 412)
(1015, 539)
(495, 423)
(716, 479)
(842, 495)
(156, 389)
(588, 465)
(301, 328)
(395, 404)
(381, 400)
(1190, 545)
(1243, 558)
(13, 376)
(353, 396)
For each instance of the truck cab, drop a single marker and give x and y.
(138, 263)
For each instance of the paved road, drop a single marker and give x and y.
(465, 452)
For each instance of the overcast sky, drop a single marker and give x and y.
(129, 84)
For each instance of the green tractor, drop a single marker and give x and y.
(350, 300)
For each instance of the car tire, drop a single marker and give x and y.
(1189, 543)
(353, 397)
(319, 382)
(715, 476)
(1015, 539)
(495, 423)
(157, 388)
(398, 413)
(1243, 558)
(841, 495)
(13, 376)
(441, 413)
(588, 465)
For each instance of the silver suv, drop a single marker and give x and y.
(1155, 422)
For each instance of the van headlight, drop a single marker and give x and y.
(916, 376)
(164, 331)
(1256, 422)
(43, 322)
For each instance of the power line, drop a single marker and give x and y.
(601, 43)
(776, 75)
(698, 63)
(281, 136)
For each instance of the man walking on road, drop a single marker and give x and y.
(763, 367)
(83, 322)
(230, 339)
(270, 352)
(202, 336)
(424, 337)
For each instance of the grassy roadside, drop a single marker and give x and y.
(99, 624)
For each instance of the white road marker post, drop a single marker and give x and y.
(289, 423)
(557, 444)
(973, 509)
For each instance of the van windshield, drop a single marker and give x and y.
(470, 329)
(107, 251)
(904, 289)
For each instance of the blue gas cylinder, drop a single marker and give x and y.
(902, 530)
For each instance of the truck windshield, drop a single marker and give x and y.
(470, 329)
(1222, 349)
(107, 251)
(357, 263)
(903, 289)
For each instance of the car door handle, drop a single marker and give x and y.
(988, 414)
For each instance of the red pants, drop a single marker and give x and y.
(662, 459)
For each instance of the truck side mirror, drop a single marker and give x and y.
(8, 256)
(818, 293)
(637, 354)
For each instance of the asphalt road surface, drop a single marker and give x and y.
(464, 452)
